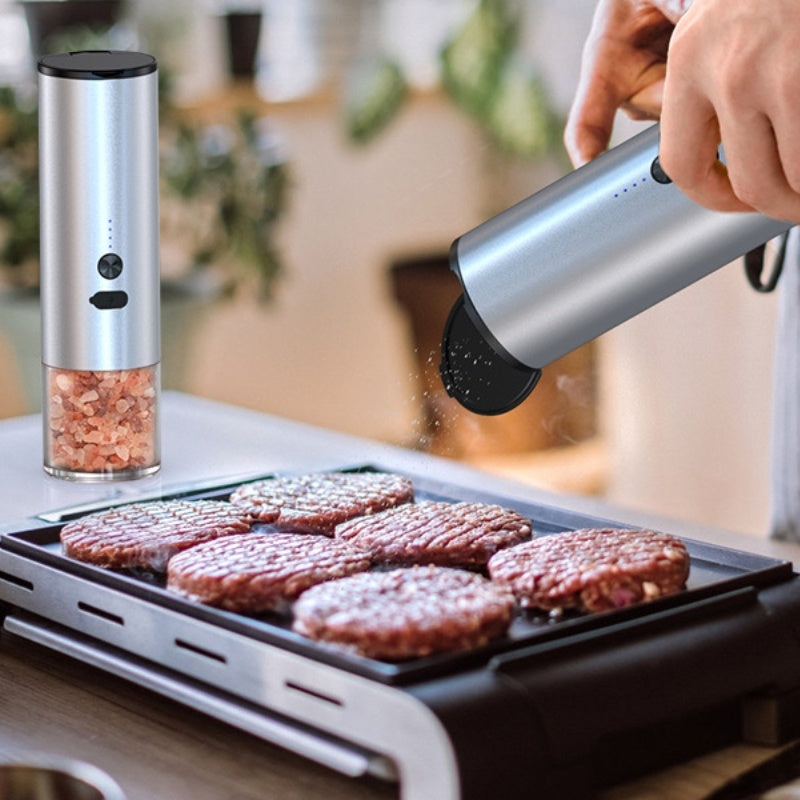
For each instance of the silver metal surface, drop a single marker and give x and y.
(26, 775)
(592, 250)
(98, 143)
(389, 724)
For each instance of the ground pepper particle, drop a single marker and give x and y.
(101, 421)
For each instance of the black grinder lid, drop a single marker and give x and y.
(474, 372)
(97, 64)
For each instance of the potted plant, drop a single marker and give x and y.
(19, 181)
(47, 19)
(482, 71)
(224, 188)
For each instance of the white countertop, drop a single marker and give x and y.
(202, 442)
(208, 443)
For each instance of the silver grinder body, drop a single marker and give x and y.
(100, 272)
(595, 248)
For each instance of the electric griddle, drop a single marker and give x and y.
(560, 707)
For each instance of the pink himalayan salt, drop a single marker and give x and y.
(101, 421)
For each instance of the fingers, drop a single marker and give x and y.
(732, 79)
(647, 103)
(759, 170)
(590, 122)
(591, 117)
(756, 169)
(688, 150)
(786, 129)
(622, 67)
(605, 87)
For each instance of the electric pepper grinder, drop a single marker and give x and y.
(98, 161)
(582, 255)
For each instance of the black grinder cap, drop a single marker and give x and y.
(97, 64)
(475, 373)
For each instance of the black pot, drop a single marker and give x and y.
(243, 29)
(48, 17)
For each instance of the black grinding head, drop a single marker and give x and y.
(97, 64)
(474, 373)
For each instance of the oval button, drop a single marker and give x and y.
(105, 300)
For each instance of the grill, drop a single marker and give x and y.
(559, 707)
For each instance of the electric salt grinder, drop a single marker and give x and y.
(98, 161)
(598, 246)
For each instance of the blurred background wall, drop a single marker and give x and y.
(679, 398)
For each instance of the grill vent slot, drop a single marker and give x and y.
(108, 616)
(313, 693)
(201, 651)
(14, 580)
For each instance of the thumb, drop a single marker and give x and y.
(646, 104)
(589, 124)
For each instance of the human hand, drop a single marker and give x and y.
(734, 77)
(623, 66)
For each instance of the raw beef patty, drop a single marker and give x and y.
(316, 503)
(405, 613)
(592, 569)
(260, 571)
(433, 532)
(146, 535)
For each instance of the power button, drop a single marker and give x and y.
(110, 266)
(657, 171)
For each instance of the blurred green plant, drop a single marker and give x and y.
(232, 184)
(19, 189)
(224, 189)
(482, 71)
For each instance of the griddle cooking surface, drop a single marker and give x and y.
(714, 571)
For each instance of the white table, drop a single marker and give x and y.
(205, 442)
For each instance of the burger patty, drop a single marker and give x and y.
(405, 613)
(433, 532)
(259, 572)
(316, 503)
(592, 569)
(146, 535)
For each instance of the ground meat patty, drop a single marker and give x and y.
(405, 613)
(316, 503)
(432, 532)
(260, 571)
(146, 535)
(592, 569)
